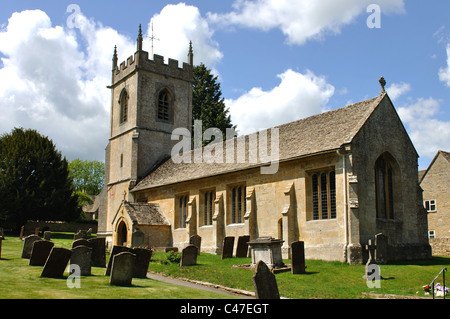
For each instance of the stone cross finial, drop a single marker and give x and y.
(383, 84)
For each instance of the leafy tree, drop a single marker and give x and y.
(87, 176)
(34, 179)
(208, 105)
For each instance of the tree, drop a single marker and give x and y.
(87, 176)
(208, 105)
(34, 179)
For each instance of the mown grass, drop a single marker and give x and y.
(18, 280)
(323, 280)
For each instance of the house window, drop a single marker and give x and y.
(430, 205)
(208, 206)
(431, 234)
(323, 195)
(384, 189)
(163, 105)
(123, 102)
(238, 204)
(181, 210)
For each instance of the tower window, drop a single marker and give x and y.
(163, 105)
(123, 102)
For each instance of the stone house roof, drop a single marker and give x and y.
(445, 155)
(305, 137)
(145, 214)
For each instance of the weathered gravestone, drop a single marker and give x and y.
(242, 246)
(47, 235)
(298, 257)
(196, 240)
(81, 242)
(21, 232)
(28, 245)
(40, 252)
(81, 256)
(143, 257)
(381, 252)
(56, 262)
(81, 234)
(189, 256)
(227, 249)
(122, 269)
(264, 282)
(116, 250)
(98, 256)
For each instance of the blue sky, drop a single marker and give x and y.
(277, 61)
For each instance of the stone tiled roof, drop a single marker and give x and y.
(313, 135)
(145, 214)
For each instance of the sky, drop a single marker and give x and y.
(277, 61)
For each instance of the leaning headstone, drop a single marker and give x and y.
(81, 234)
(81, 242)
(98, 252)
(122, 269)
(196, 240)
(143, 257)
(40, 252)
(227, 250)
(189, 256)
(28, 245)
(298, 257)
(381, 252)
(81, 256)
(56, 262)
(242, 246)
(47, 235)
(116, 250)
(264, 282)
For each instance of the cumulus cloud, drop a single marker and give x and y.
(444, 73)
(398, 89)
(297, 96)
(426, 130)
(300, 20)
(174, 27)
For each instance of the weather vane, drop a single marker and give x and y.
(153, 38)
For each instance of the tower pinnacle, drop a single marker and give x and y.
(115, 58)
(190, 54)
(139, 40)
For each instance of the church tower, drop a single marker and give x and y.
(149, 99)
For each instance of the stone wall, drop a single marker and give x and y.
(440, 246)
(72, 227)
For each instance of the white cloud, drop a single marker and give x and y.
(428, 133)
(300, 20)
(297, 96)
(444, 73)
(398, 89)
(174, 27)
(50, 83)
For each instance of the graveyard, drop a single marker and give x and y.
(25, 278)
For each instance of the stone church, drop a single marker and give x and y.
(343, 176)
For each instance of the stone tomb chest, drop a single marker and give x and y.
(267, 249)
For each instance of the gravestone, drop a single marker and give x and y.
(81, 234)
(298, 257)
(189, 256)
(116, 250)
(81, 256)
(242, 246)
(81, 242)
(21, 232)
(381, 252)
(98, 256)
(196, 240)
(47, 235)
(264, 282)
(122, 269)
(227, 249)
(143, 257)
(56, 262)
(371, 260)
(40, 252)
(2, 233)
(28, 245)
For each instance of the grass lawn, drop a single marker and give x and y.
(18, 280)
(323, 280)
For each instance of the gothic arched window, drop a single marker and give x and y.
(123, 102)
(164, 101)
(384, 188)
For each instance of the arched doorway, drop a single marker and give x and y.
(122, 234)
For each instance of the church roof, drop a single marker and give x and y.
(305, 137)
(145, 213)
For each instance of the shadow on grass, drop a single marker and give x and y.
(434, 261)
